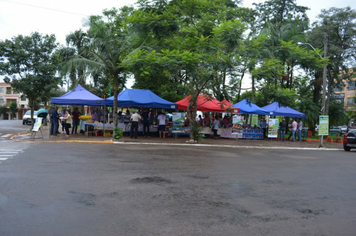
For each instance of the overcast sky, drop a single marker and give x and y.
(65, 16)
(62, 17)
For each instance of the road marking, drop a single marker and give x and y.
(3, 159)
(6, 135)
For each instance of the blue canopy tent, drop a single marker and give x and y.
(78, 96)
(247, 107)
(279, 110)
(140, 98)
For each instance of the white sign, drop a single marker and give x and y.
(37, 124)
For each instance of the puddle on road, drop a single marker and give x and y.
(152, 179)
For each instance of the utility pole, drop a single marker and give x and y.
(323, 109)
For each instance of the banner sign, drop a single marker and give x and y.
(254, 120)
(237, 122)
(37, 124)
(178, 122)
(323, 125)
(273, 128)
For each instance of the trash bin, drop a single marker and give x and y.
(309, 133)
(304, 133)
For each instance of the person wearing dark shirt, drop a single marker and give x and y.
(282, 129)
(75, 118)
(146, 123)
(54, 121)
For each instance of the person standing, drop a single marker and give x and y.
(127, 117)
(294, 129)
(54, 121)
(216, 125)
(300, 129)
(134, 124)
(282, 129)
(207, 119)
(146, 123)
(264, 127)
(75, 118)
(162, 125)
(68, 121)
(151, 116)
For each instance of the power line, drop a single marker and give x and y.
(46, 8)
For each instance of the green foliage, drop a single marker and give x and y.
(30, 65)
(3, 110)
(337, 114)
(13, 108)
(195, 131)
(118, 133)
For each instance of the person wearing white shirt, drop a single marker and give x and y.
(162, 125)
(134, 124)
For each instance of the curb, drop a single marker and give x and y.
(227, 146)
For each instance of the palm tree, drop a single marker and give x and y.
(78, 39)
(108, 44)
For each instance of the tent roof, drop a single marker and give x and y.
(279, 110)
(204, 102)
(140, 98)
(226, 102)
(78, 96)
(247, 107)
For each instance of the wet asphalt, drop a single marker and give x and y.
(58, 188)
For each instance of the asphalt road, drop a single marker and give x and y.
(118, 189)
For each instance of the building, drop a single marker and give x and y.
(346, 94)
(7, 96)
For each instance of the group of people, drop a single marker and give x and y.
(67, 119)
(295, 126)
(100, 115)
(147, 117)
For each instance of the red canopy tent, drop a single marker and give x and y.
(206, 103)
(226, 102)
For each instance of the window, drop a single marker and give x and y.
(2, 101)
(352, 85)
(2, 90)
(8, 90)
(23, 98)
(350, 102)
(340, 87)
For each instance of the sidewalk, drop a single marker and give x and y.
(266, 143)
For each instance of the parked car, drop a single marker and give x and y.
(335, 130)
(350, 139)
(26, 120)
(344, 129)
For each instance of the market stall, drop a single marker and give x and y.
(239, 128)
(140, 98)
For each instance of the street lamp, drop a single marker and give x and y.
(323, 110)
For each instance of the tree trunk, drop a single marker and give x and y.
(115, 87)
(192, 114)
(253, 90)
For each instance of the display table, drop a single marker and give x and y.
(208, 131)
(252, 133)
(241, 133)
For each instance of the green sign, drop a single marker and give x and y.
(323, 125)
(254, 120)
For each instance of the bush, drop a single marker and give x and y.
(118, 133)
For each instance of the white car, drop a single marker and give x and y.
(26, 120)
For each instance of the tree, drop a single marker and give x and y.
(30, 65)
(109, 43)
(13, 109)
(339, 24)
(78, 39)
(186, 41)
(3, 110)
